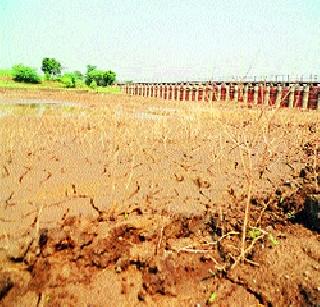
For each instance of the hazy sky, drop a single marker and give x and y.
(164, 40)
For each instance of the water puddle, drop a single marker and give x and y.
(36, 107)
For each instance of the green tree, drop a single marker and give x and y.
(101, 77)
(26, 74)
(51, 67)
(91, 67)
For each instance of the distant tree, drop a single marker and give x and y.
(25, 74)
(72, 79)
(78, 74)
(91, 67)
(101, 77)
(51, 67)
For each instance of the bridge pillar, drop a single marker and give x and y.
(227, 99)
(203, 88)
(245, 94)
(178, 87)
(196, 93)
(184, 93)
(305, 97)
(255, 94)
(291, 95)
(173, 92)
(279, 96)
(190, 92)
(267, 95)
(318, 102)
(158, 91)
(218, 92)
(210, 92)
(236, 93)
(240, 89)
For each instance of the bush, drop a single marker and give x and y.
(68, 81)
(25, 74)
(101, 77)
(80, 83)
(72, 80)
(93, 84)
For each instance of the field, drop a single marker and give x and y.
(126, 201)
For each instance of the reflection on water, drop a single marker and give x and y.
(35, 107)
(40, 107)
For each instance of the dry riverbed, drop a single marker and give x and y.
(125, 201)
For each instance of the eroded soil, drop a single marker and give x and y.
(128, 201)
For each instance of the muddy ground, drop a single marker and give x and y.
(126, 201)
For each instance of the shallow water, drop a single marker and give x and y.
(35, 107)
(40, 107)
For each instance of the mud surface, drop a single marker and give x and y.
(126, 201)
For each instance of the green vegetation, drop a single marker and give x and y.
(212, 298)
(272, 240)
(51, 68)
(254, 233)
(72, 80)
(5, 73)
(100, 77)
(25, 74)
(95, 80)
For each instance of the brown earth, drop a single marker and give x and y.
(128, 201)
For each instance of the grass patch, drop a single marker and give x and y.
(9, 83)
(108, 90)
(5, 73)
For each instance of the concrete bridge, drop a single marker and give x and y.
(305, 95)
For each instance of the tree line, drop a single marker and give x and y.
(52, 68)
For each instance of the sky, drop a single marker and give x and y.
(164, 40)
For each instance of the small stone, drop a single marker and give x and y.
(140, 296)
(287, 183)
(286, 276)
(118, 269)
(306, 273)
(269, 228)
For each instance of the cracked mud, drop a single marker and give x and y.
(110, 208)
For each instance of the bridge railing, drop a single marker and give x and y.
(281, 94)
